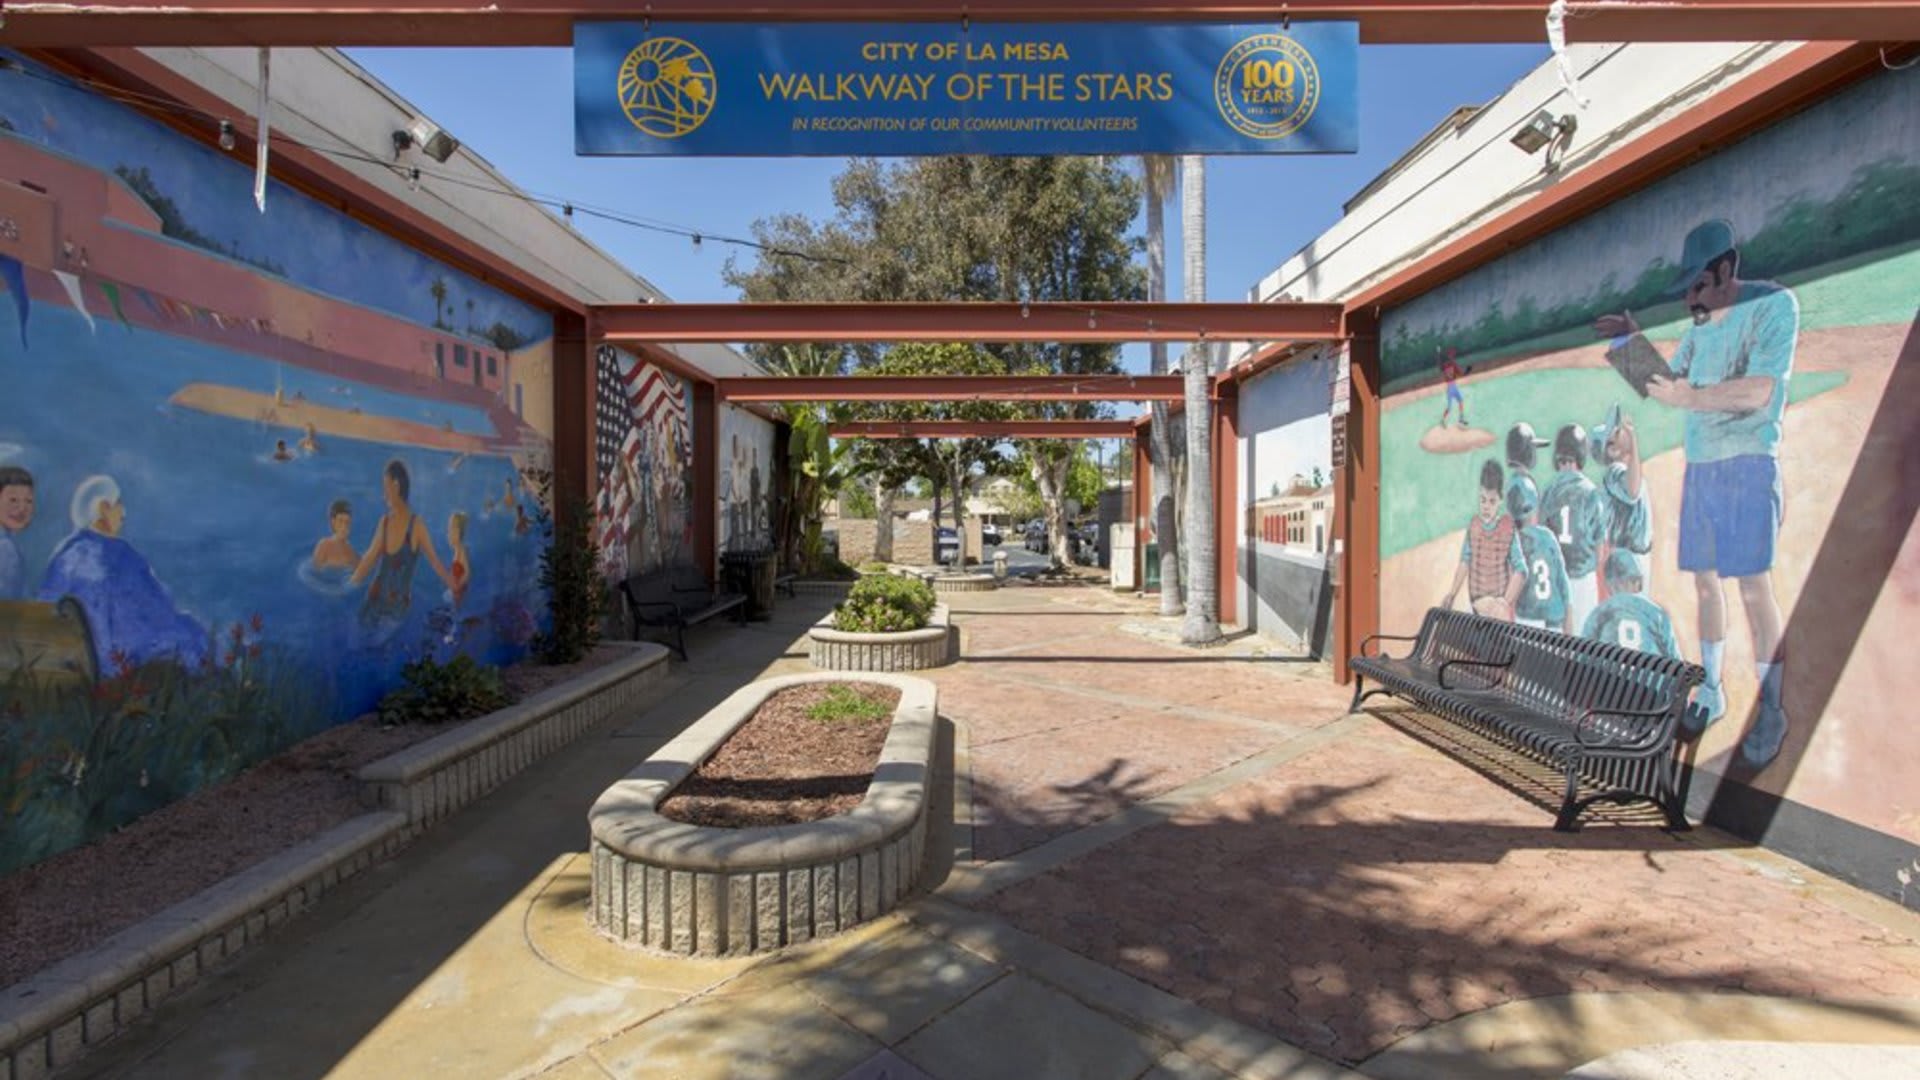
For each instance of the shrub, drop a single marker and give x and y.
(885, 604)
(570, 571)
(436, 693)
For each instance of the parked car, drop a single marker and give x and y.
(1036, 537)
(946, 545)
(989, 533)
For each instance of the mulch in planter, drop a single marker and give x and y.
(782, 767)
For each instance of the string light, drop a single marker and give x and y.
(413, 179)
(227, 140)
(696, 241)
(1023, 309)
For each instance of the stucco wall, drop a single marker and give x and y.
(201, 393)
(1284, 458)
(1823, 210)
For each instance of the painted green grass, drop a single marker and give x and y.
(1429, 495)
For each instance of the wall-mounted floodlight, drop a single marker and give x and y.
(431, 139)
(1543, 130)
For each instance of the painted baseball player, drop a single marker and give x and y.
(1543, 598)
(1575, 512)
(1523, 451)
(1490, 562)
(1629, 511)
(1627, 616)
(1451, 371)
(1730, 375)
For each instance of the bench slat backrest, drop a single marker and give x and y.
(1552, 672)
(651, 587)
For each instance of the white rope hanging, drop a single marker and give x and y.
(1557, 40)
(260, 138)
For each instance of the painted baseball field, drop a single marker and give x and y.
(1686, 424)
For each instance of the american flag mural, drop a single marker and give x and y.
(642, 445)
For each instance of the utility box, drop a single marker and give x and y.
(1120, 543)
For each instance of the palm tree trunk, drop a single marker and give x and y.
(883, 521)
(1202, 624)
(1159, 185)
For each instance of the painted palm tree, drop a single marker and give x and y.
(1203, 571)
(1160, 176)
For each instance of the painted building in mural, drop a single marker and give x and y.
(643, 449)
(747, 502)
(250, 465)
(1286, 519)
(1686, 424)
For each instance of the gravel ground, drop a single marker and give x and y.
(79, 898)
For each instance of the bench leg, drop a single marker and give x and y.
(1569, 819)
(1360, 694)
(680, 642)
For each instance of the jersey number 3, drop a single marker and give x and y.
(1542, 581)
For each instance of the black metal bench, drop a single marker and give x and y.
(1602, 713)
(673, 598)
(784, 583)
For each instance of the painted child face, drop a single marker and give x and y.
(342, 524)
(1489, 505)
(16, 507)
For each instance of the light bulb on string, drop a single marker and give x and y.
(227, 140)
(413, 179)
(1023, 309)
(696, 241)
(1092, 323)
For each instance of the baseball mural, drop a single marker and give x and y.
(1687, 416)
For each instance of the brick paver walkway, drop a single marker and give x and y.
(1166, 863)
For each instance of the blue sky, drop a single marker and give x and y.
(515, 108)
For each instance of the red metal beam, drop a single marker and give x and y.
(56, 23)
(997, 429)
(981, 322)
(953, 388)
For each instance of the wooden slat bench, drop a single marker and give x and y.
(1602, 713)
(673, 598)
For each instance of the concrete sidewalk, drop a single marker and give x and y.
(1159, 862)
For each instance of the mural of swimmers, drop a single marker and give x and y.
(1563, 527)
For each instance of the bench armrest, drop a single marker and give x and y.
(1646, 738)
(1445, 664)
(1371, 638)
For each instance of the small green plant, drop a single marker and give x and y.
(885, 604)
(436, 693)
(570, 572)
(873, 566)
(843, 704)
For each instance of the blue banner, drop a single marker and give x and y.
(901, 89)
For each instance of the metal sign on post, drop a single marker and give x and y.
(893, 89)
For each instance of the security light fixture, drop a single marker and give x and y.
(1543, 130)
(432, 141)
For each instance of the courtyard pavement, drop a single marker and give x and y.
(1158, 862)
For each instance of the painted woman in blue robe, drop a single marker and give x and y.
(130, 614)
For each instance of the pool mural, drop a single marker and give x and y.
(1680, 425)
(249, 466)
(1285, 458)
(746, 480)
(643, 446)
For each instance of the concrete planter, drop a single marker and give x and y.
(697, 890)
(53, 1019)
(429, 780)
(952, 583)
(908, 650)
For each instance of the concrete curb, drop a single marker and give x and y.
(696, 890)
(49, 1021)
(430, 780)
(952, 583)
(908, 650)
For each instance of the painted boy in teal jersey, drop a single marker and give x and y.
(1731, 370)
(1543, 598)
(1575, 512)
(1629, 512)
(1627, 617)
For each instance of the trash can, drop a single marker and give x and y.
(750, 573)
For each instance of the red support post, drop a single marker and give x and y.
(1226, 498)
(1142, 500)
(1357, 508)
(573, 408)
